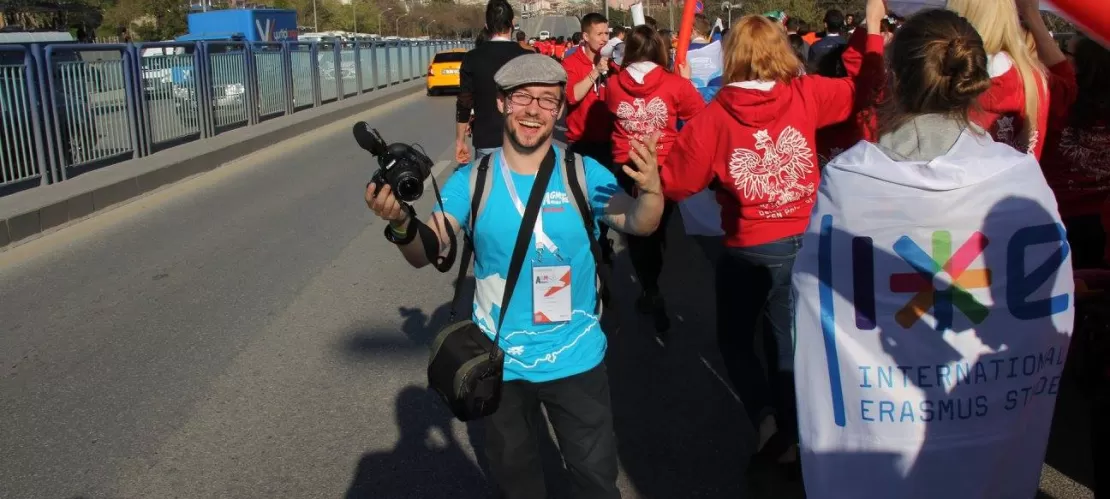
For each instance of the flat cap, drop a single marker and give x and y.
(530, 69)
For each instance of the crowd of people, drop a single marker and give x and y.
(769, 138)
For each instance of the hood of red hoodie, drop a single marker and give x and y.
(651, 83)
(756, 108)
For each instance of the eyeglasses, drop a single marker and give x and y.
(525, 98)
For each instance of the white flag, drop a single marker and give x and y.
(935, 304)
(638, 18)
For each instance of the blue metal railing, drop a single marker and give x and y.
(66, 108)
(22, 155)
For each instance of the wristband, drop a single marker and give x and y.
(404, 236)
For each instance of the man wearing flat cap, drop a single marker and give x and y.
(553, 343)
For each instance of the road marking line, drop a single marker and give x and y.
(721, 379)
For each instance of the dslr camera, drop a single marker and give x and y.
(401, 166)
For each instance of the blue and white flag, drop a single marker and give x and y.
(935, 304)
(701, 214)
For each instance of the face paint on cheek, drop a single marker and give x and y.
(508, 108)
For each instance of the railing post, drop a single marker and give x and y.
(387, 67)
(287, 77)
(337, 54)
(314, 51)
(133, 112)
(358, 68)
(33, 94)
(204, 89)
(45, 79)
(251, 85)
(374, 63)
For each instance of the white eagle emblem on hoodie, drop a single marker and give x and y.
(641, 120)
(779, 175)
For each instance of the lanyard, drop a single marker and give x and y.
(542, 241)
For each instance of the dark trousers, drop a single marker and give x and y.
(646, 252)
(755, 298)
(580, 411)
(1087, 241)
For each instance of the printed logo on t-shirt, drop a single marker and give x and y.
(555, 201)
(778, 176)
(641, 120)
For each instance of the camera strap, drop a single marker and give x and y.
(430, 240)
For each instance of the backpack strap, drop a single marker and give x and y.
(574, 177)
(480, 186)
(479, 192)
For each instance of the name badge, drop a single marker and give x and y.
(551, 294)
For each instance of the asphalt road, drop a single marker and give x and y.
(249, 333)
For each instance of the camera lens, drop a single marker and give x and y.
(409, 188)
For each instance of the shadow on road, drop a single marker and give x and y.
(427, 461)
(372, 481)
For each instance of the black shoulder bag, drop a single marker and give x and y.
(465, 366)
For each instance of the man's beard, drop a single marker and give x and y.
(518, 144)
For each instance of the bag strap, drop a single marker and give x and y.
(574, 177)
(523, 238)
(480, 185)
(478, 194)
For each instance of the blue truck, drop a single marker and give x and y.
(254, 25)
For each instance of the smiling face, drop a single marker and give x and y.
(530, 114)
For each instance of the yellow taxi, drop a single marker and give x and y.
(443, 72)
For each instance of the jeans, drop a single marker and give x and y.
(755, 297)
(580, 411)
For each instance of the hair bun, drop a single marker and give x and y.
(967, 76)
(955, 60)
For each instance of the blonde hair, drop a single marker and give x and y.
(1000, 27)
(757, 49)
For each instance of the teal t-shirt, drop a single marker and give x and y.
(535, 352)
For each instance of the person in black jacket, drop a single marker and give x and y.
(477, 91)
(831, 45)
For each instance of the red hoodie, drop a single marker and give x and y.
(1003, 107)
(758, 141)
(1076, 160)
(588, 120)
(645, 108)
